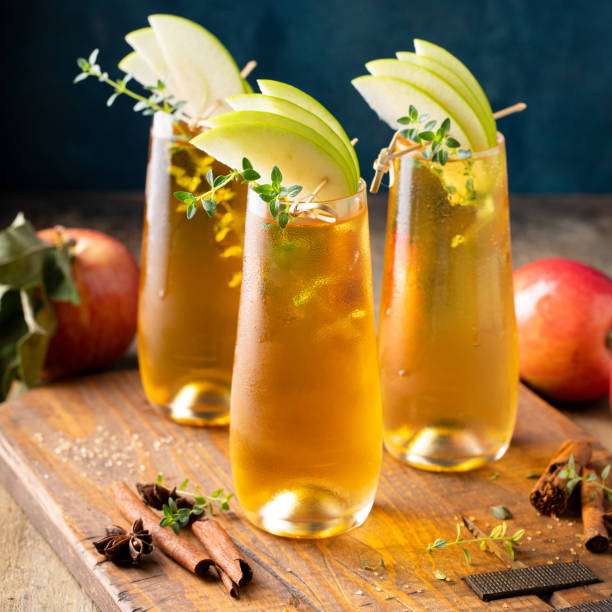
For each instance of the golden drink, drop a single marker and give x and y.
(190, 282)
(447, 329)
(306, 431)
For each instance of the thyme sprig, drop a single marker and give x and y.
(438, 146)
(158, 101)
(498, 534)
(574, 478)
(176, 518)
(275, 194)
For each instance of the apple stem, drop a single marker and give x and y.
(386, 155)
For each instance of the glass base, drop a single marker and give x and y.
(308, 513)
(202, 404)
(446, 449)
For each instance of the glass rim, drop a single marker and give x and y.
(363, 187)
(490, 152)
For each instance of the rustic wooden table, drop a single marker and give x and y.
(576, 226)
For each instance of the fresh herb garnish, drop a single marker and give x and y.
(158, 101)
(498, 534)
(494, 476)
(437, 145)
(176, 518)
(440, 575)
(574, 478)
(533, 474)
(275, 194)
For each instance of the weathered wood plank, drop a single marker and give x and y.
(63, 445)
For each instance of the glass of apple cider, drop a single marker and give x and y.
(305, 429)
(447, 329)
(190, 282)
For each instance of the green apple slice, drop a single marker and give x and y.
(279, 106)
(202, 68)
(143, 41)
(135, 65)
(437, 88)
(266, 139)
(484, 114)
(297, 96)
(390, 98)
(427, 49)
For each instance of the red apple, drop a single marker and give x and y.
(564, 314)
(95, 333)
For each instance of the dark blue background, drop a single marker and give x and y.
(555, 55)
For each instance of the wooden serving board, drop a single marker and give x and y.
(63, 445)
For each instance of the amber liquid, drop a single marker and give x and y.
(447, 333)
(190, 284)
(306, 431)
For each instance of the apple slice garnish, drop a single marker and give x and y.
(297, 96)
(202, 69)
(484, 113)
(143, 41)
(266, 139)
(134, 64)
(437, 88)
(390, 98)
(427, 49)
(279, 106)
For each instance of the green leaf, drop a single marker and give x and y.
(608, 495)
(250, 175)
(209, 206)
(165, 522)
(501, 512)
(219, 180)
(404, 120)
(210, 178)
(93, 56)
(276, 177)
(166, 510)
(430, 125)
(452, 143)
(265, 190)
(160, 478)
(176, 528)
(110, 101)
(572, 483)
(564, 473)
(283, 219)
(80, 77)
(509, 549)
(439, 544)
(518, 535)
(494, 476)
(191, 211)
(294, 190)
(197, 510)
(246, 164)
(483, 546)
(440, 575)
(82, 63)
(184, 484)
(532, 474)
(172, 505)
(445, 127)
(443, 156)
(427, 135)
(413, 113)
(591, 477)
(274, 207)
(571, 464)
(468, 556)
(199, 500)
(605, 472)
(186, 197)
(423, 117)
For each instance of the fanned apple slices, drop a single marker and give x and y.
(436, 83)
(290, 130)
(192, 62)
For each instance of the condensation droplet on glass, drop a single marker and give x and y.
(161, 293)
(388, 312)
(402, 373)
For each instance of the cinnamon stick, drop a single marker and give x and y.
(596, 510)
(550, 495)
(183, 552)
(228, 559)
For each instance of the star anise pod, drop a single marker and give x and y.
(156, 496)
(125, 548)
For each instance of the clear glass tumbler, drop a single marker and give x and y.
(190, 282)
(306, 430)
(447, 329)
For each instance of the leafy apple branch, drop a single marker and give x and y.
(275, 194)
(574, 478)
(498, 534)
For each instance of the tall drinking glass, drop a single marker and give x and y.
(305, 430)
(447, 329)
(190, 282)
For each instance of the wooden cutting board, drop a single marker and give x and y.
(63, 445)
